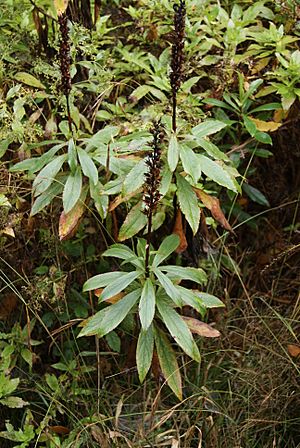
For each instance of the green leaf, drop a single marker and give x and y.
(186, 273)
(147, 304)
(216, 173)
(29, 80)
(113, 341)
(101, 280)
(208, 300)
(89, 169)
(72, 190)
(208, 127)
(189, 298)
(37, 163)
(119, 284)
(139, 93)
(263, 137)
(52, 382)
(47, 175)
(256, 195)
(167, 247)
(211, 149)
(14, 403)
(103, 137)
(168, 362)
(119, 251)
(46, 198)
(190, 162)
(250, 126)
(134, 222)
(72, 155)
(173, 153)
(188, 202)
(109, 318)
(135, 178)
(144, 352)
(168, 286)
(27, 356)
(178, 329)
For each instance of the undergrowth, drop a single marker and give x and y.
(149, 224)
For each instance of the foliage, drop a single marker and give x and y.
(131, 133)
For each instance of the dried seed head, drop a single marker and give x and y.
(64, 54)
(177, 60)
(152, 177)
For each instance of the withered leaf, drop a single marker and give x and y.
(201, 328)
(294, 350)
(180, 231)
(213, 204)
(113, 299)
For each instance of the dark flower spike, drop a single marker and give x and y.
(152, 182)
(64, 54)
(65, 61)
(177, 60)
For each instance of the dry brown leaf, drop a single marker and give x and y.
(113, 299)
(294, 350)
(279, 115)
(8, 231)
(260, 65)
(201, 328)
(213, 204)
(69, 222)
(180, 231)
(265, 126)
(8, 305)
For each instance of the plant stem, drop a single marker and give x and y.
(174, 109)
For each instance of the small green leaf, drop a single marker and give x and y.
(144, 352)
(208, 300)
(13, 403)
(167, 247)
(168, 362)
(113, 341)
(256, 195)
(135, 178)
(186, 273)
(147, 304)
(72, 190)
(139, 93)
(189, 297)
(46, 198)
(134, 222)
(72, 155)
(27, 356)
(119, 284)
(47, 175)
(109, 318)
(29, 80)
(101, 280)
(190, 162)
(173, 153)
(208, 127)
(216, 173)
(178, 329)
(168, 286)
(89, 169)
(188, 202)
(211, 149)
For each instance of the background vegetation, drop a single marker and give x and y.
(149, 223)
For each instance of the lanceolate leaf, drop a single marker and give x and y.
(119, 284)
(201, 328)
(216, 173)
(46, 176)
(188, 203)
(134, 222)
(101, 280)
(109, 318)
(186, 273)
(72, 190)
(190, 162)
(68, 222)
(167, 247)
(213, 204)
(168, 362)
(173, 153)
(135, 178)
(208, 127)
(46, 197)
(144, 352)
(178, 329)
(168, 286)
(208, 300)
(88, 167)
(147, 304)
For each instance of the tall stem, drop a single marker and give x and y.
(149, 233)
(174, 110)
